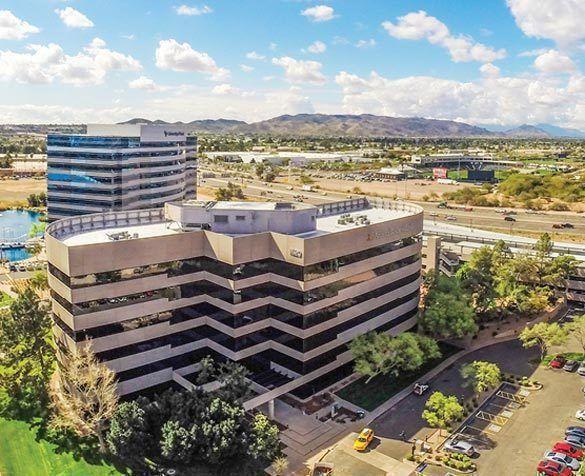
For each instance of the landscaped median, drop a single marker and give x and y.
(381, 388)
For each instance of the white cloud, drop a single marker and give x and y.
(317, 47)
(419, 25)
(223, 89)
(146, 84)
(128, 37)
(47, 63)
(319, 13)
(175, 56)
(73, 18)
(494, 100)
(489, 70)
(298, 71)
(193, 11)
(13, 28)
(246, 69)
(255, 56)
(558, 20)
(366, 43)
(554, 62)
(272, 46)
(531, 53)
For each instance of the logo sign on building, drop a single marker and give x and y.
(439, 172)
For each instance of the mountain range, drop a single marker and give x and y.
(364, 125)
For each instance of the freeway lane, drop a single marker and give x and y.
(480, 217)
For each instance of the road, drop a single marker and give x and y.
(529, 224)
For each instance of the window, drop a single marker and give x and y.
(220, 218)
(240, 217)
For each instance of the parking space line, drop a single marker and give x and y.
(497, 419)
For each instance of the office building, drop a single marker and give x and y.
(282, 288)
(119, 167)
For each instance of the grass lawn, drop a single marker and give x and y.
(382, 387)
(22, 455)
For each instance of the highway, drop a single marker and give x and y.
(526, 223)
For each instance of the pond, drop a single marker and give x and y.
(14, 226)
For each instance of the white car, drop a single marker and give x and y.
(581, 369)
(580, 414)
(563, 459)
(459, 446)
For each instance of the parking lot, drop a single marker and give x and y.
(517, 447)
(511, 435)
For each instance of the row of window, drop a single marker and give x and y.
(233, 272)
(254, 338)
(110, 142)
(229, 319)
(259, 291)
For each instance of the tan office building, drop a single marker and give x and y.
(282, 288)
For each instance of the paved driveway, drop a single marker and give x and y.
(406, 416)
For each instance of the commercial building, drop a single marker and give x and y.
(447, 247)
(282, 288)
(119, 167)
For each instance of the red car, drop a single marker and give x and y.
(569, 450)
(558, 362)
(552, 468)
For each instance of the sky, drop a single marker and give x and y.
(485, 62)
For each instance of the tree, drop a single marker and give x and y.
(448, 316)
(280, 465)
(544, 335)
(25, 332)
(83, 394)
(39, 281)
(128, 436)
(577, 330)
(232, 191)
(481, 376)
(378, 353)
(441, 410)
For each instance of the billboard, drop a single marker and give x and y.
(481, 175)
(439, 173)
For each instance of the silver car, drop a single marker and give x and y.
(459, 446)
(563, 459)
(581, 369)
(575, 440)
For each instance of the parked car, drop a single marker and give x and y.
(580, 414)
(509, 218)
(581, 369)
(570, 366)
(363, 440)
(577, 430)
(459, 446)
(450, 218)
(566, 448)
(575, 440)
(563, 458)
(552, 468)
(558, 362)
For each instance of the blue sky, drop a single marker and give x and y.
(480, 61)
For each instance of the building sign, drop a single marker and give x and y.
(296, 253)
(439, 172)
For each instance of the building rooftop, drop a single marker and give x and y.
(297, 219)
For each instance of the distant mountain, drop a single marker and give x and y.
(339, 125)
(552, 131)
(527, 131)
(557, 131)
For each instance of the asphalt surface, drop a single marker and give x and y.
(406, 416)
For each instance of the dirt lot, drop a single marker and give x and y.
(17, 190)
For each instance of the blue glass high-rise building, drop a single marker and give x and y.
(120, 167)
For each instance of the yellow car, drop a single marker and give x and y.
(364, 439)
